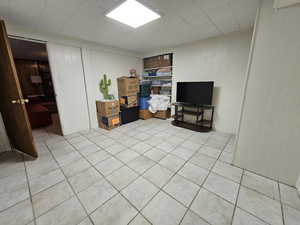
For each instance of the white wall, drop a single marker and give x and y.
(269, 140)
(97, 60)
(4, 142)
(68, 80)
(97, 63)
(222, 60)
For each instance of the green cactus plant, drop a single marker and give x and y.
(104, 84)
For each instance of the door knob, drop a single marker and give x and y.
(15, 101)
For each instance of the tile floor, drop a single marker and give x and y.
(146, 172)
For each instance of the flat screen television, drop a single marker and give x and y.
(198, 93)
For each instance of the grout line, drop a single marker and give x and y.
(66, 178)
(237, 197)
(29, 190)
(210, 170)
(141, 175)
(281, 205)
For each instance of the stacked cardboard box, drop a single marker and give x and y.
(128, 88)
(145, 114)
(108, 114)
(162, 114)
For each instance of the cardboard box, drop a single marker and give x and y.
(129, 101)
(108, 123)
(108, 107)
(156, 90)
(128, 86)
(162, 114)
(145, 114)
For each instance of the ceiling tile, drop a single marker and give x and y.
(223, 18)
(182, 21)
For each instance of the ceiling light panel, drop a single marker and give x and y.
(133, 13)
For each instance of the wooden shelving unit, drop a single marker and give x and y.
(152, 72)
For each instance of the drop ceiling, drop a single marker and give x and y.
(182, 21)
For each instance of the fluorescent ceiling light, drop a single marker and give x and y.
(133, 13)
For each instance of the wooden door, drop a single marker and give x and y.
(12, 104)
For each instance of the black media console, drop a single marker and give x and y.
(194, 117)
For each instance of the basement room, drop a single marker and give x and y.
(149, 112)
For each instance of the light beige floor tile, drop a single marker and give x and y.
(289, 196)
(228, 171)
(142, 136)
(164, 210)
(141, 164)
(209, 151)
(203, 161)
(87, 221)
(116, 211)
(127, 155)
(75, 167)
(291, 215)
(158, 175)
(122, 177)
(89, 149)
(13, 190)
(172, 162)
(182, 190)
(78, 138)
(175, 140)
(115, 149)
(85, 179)
(154, 141)
(82, 144)
(36, 170)
(141, 147)
(140, 192)
(215, 143)
(183, 153)
(194, 173)
(49, 198)
(193, 219)
(18, 214)
(223, 187)
(97, 157)
(155, 154)
(11, 163)
(108, 166)
(261, 184)
(226, 157)
(106, 143)
(261, 206)
(96, 195)
(212, 208)
(68, 158)
(129, 141)
(191, 145)
(243, 218)
(45, 181)
(69, 212)
(166, 146)
(139, 220)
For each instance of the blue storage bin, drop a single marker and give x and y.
(144, 102)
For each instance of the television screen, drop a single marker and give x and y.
(198, 93)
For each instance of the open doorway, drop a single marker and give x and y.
(31, 60)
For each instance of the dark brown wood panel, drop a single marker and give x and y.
(14, 115)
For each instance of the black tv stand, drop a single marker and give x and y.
(202, 116)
